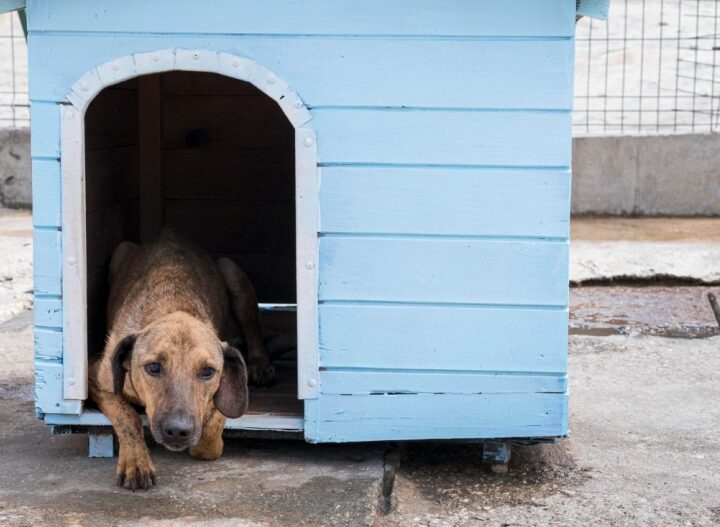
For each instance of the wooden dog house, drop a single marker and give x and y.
(398, 171)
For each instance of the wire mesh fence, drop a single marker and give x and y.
(14, 106)
(652, 67)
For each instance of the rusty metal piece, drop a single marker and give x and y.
(715, 306)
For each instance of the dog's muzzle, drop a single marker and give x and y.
(177, 431)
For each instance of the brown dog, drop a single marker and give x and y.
(167, 315)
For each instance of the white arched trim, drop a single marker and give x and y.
(72, 154)
(241, 68)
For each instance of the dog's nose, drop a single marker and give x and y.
(177, 429)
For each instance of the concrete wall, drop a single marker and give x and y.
(624, 175)
(15, 181)
(675, 175)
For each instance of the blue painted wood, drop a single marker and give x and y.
(46, 185)
(441, 270)
(48, 390)
(11, 5)
(347, 72)
(444, 137)
(101, 445)
(338, 418)
(373, 382)
(594, 8)
(48, 343)
(400, 17)
(47, 262)
(445, 201)
(48, 311)
(45, 137)
(443, 338)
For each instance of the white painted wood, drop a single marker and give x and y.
(307, 212)
(74, 263)
(133, 65)
(118, 70)
(73, 187)
(196, 60)
(288, 423)
(85, 90)
(154, 62)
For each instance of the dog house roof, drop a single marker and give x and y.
(591, 8)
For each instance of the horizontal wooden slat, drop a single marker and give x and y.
(45, 138)
(443, 270)
(404, 17)
(217, 122)
(46, 184)
(444, 137)
(361, 382)
(443, 338)
(48, 343)
(200, 173)
(338, 418)
(48, 312)
(111, 176)
(445, 73)
(226, 226)
(445, 201)
(47, 262)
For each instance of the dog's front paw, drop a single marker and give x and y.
(135, 469)
(261, 373)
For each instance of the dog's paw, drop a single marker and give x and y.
(261, 373)
(135, 469)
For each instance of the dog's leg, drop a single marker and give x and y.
(135, 469)
(210, 445)
(243, 302)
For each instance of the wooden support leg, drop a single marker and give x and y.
(101, 445)
(497, 454)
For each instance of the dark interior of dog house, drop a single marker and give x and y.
(213, 158)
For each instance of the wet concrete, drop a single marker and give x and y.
(682, 312)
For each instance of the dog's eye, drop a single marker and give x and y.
(207, 373)
(154, 369)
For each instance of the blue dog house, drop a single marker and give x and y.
(393, 176)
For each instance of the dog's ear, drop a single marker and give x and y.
(121, 353)
(231, 398)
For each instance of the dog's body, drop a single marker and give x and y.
(167, 319)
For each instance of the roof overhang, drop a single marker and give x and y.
(11, 5)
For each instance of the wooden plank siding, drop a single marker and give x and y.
(321, 17)
(443, 137)
(381, 417)
(383, 72)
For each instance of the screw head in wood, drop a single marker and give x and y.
(72, 260)
(312, 383)
(115, 66)
(155, 57)
(308, 141)
(309, 265)
(235, 63)
(196, 55)
(271, 79)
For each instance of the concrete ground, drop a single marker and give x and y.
(644, 446)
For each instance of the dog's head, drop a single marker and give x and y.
(181, 371)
